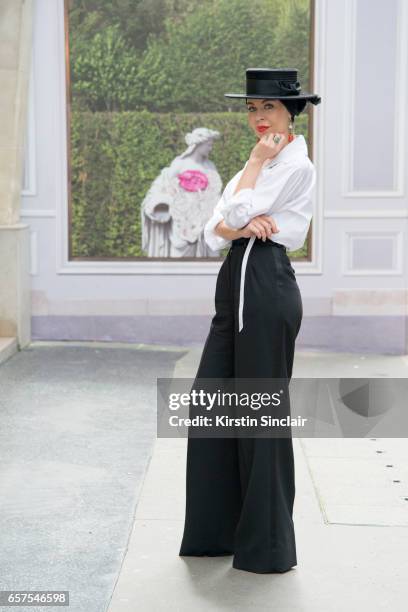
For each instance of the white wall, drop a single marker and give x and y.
(360, 253)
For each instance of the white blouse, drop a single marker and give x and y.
(284, 189)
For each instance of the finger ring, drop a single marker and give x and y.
(276, 139)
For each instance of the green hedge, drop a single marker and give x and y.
(116, 156)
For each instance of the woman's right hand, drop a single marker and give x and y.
(262, 226)
(267, 148)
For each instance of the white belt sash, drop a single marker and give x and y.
(242, 283)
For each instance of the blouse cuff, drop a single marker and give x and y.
(214, 241)
(237, 209)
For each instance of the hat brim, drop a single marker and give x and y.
(314, 98)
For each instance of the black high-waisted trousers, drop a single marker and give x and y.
(240, 491)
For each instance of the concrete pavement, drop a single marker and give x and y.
(350, 518)
(93, 503)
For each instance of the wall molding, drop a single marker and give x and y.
(30, 158)
(34, 253)
(348, 237)
(361, 213)
(399, 125)
(162, 268)
(38, 212)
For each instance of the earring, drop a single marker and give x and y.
(291, 134)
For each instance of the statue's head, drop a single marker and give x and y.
(201, 139)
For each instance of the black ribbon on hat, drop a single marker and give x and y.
(269, 87)
(290, 87)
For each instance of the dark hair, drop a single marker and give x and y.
(295, 107)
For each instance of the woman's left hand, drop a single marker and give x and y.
(261, 226)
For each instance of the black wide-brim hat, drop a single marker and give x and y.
(277, 83)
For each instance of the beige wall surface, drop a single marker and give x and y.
(15, 62)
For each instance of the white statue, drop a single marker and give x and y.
(181, 200)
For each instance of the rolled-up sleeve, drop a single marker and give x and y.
(272, 187)
(214, 241)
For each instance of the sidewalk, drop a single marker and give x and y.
(87, 488)
(77, 428)
(350, 518)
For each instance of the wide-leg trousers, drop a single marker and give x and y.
(240, 491)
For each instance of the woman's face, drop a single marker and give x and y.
(204, 148)
(269, 113)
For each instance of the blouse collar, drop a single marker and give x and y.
(293, 150)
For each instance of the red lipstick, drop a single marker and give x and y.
(262, 128)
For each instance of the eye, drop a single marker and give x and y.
(268, 104)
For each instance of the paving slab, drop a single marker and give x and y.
(77, 426)
(349, 518)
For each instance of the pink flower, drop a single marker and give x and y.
(193, 180)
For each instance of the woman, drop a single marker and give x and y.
(240, 491)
